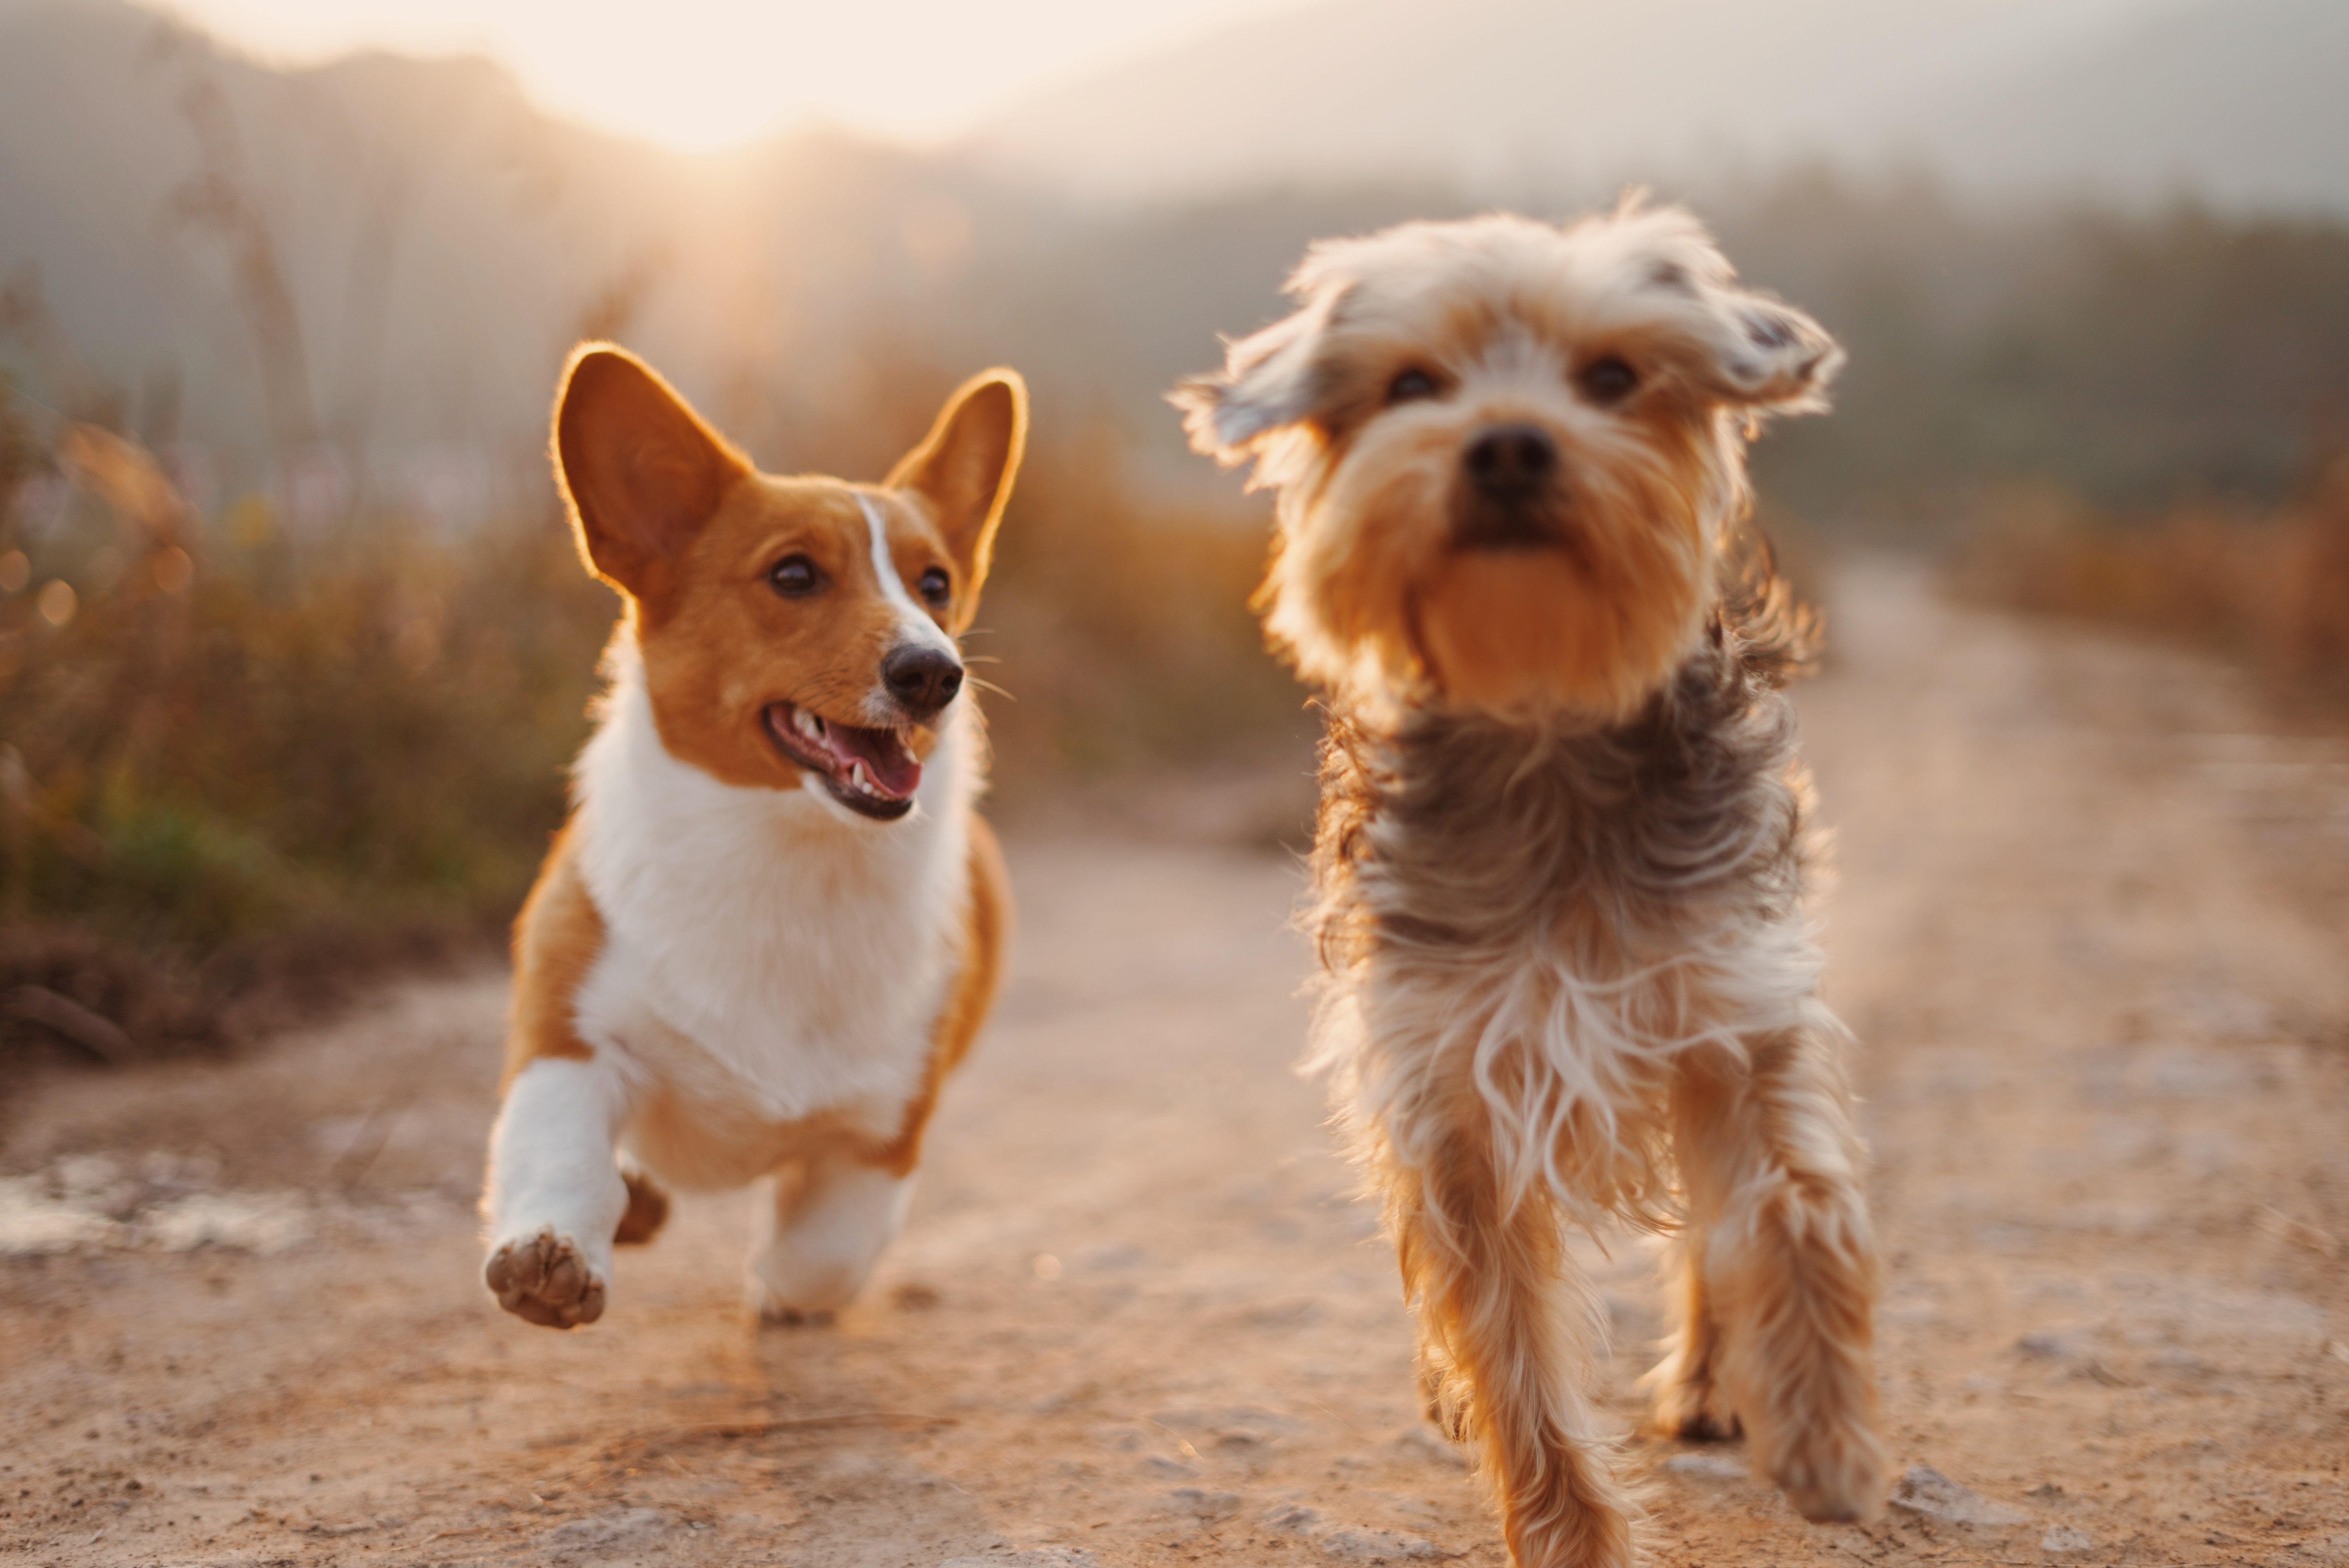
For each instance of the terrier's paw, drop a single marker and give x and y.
(1446, 1401)
(1703, 1425)
(1687, 1404)
(545, 1279)
(1834, 1474)
(1693, 1412)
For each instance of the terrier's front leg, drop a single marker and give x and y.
(555, 1195)
(1789, 1271)
(1688, 1403)
(829, 1224)
(1507, 1330)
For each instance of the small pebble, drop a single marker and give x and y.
(1358, 1546)
(1926, 1491)
(1204, 1504)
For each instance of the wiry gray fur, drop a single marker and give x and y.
(1586, 902)
(1692, 804)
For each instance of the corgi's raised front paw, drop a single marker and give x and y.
(545, 1279)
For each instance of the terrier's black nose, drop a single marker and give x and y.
(922, 680)
(1511, 460)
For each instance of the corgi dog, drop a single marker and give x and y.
(774, 922)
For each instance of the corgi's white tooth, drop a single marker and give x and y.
(807, 724)
(858, 777)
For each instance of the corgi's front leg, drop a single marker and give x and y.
(830, 1222)
(556, 1193)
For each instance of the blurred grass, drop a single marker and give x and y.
(240, 768)
(2268, 589)
(1123, 629)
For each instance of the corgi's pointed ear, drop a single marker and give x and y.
(640, 470)
(964, 466)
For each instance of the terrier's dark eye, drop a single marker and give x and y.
(794, 577)
(1607, 381)
(1411, 387)
(936, 587)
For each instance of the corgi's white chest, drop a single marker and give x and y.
(765, 949)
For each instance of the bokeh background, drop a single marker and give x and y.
(294, 649)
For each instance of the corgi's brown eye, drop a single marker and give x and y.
(1607, 381)
(936, 586)
(1411, 387)
(796, 576)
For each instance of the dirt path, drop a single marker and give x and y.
(2090, 927)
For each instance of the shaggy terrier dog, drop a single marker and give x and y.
(1562, 861)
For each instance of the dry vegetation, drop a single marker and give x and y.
(2267, 590)
(239, 764)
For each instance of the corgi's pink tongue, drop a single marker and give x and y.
(890, 767)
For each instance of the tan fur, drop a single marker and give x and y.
(1500, 1359)
(987, 931)
(1559, 869)
(1779, 1271)
(555, 940)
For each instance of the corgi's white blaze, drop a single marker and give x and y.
(766, 951)
(913, 624)
(551, 1157)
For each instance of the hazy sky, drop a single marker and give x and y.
(704, 73)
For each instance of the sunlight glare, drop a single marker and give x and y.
(706, 74)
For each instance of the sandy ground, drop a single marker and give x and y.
(2089, 926)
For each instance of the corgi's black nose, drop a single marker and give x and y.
(1511, 460)
(922, 680)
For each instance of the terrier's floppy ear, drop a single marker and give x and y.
(1269, 381)
(1729, 344)
(1765, 356)
(641, 470)
(964, 466)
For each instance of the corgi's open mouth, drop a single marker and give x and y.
(871, 771)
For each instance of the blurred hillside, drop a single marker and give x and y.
(2138, 103)
(361, 276)
(292, 647)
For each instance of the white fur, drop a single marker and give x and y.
(551, 1157)
(1601, 1039)
(913, 623)
(767, 951)
(822, 1235)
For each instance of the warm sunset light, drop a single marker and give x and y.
(709, 73)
